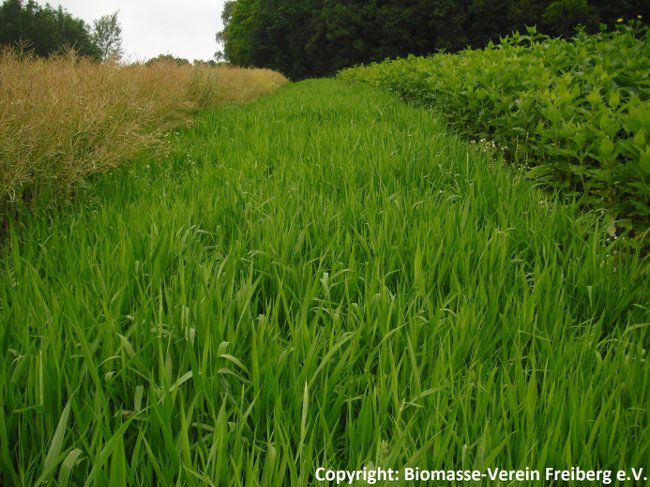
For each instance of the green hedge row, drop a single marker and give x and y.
(576, 112)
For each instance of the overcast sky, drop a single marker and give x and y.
(185, 28)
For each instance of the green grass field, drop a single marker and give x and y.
(324, 277)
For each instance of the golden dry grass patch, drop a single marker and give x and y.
(64, 118)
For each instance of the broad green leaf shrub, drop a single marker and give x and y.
(577, 112)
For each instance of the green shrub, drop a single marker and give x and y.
(576, 112)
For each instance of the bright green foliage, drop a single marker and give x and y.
(578, 111)
(324, 277)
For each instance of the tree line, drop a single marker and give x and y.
(308, 38)
(44, 31)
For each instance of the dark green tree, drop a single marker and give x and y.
(352, 32)
(269, 33)
(525, 13)
(486, 20)
(44, 30)
(168, 58)
(562, 16)
(449, 21)
(610, 11)
(241, 31)
(303, 38)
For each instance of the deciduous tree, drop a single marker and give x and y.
(107, 34)
(44, 30)
(303, 38)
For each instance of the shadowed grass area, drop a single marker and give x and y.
(321, 278)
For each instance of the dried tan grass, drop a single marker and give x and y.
(66, 118)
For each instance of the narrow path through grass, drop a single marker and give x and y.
(322, 278)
